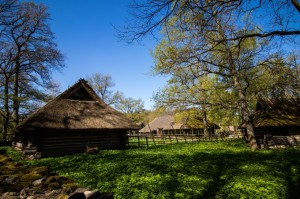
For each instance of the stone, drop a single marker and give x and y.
(53, 186)
(62, 196)
(70, 186)
(52, 194)
(38, 155)
(11, 179)
(92, 194)
(35, 191)
(19, 145)
(63, 180)
(27, 179)
(9, 195)
(24, 192)
(81, 190)
(38, 182)
(36, 196)
(50, 180)
(66, 191)
(77, 195)
(95, 194)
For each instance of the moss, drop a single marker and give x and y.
(53, 186)
(62, 196)
(5, 159)
(63, 180)
(72, 186)
(50, 180)
(9, 168)
(27, 179)
(44, 170)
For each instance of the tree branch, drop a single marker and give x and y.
(296, 4)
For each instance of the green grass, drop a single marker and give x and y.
(150, 141)
(15, 155)
(194, 170)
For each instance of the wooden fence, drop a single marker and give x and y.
(154, 140)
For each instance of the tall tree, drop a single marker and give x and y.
(28, 40)
(215, 37)
(129, 105)
(278, 18)
(36, 53)
(6, 72)
(102, 84)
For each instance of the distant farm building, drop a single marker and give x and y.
(74, 120)
(277, 122)
(166, 124)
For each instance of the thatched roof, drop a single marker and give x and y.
(277, 112)
(79, 107)
(167, 122)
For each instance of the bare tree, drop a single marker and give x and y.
(35, 53)
(129, 105)
(28, 56)
(102, 85)
(275, 18)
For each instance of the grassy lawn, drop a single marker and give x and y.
(194, 170)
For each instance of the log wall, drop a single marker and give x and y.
(59, 143)
(277, 136)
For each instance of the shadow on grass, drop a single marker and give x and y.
(186, 171)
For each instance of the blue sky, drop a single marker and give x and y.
(84, 33)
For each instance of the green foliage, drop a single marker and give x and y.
(192, 116)
(198, 170)
(14, 154)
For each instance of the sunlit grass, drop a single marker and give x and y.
(197, 170)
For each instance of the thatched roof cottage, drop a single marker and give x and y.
(277, 122)
(73, 120)
(166, 124)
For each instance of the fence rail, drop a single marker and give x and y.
(154, 140)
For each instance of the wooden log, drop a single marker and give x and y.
(29, 152)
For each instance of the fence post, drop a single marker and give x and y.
(153, 140)
(147, 142)
(138, 140)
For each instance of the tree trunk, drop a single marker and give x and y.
(296, 4)
(6, 109)
(240, 90)
(245, 115)
(205, 129)
(16, 103)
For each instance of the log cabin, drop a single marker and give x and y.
(276, 122)
(74, 120)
